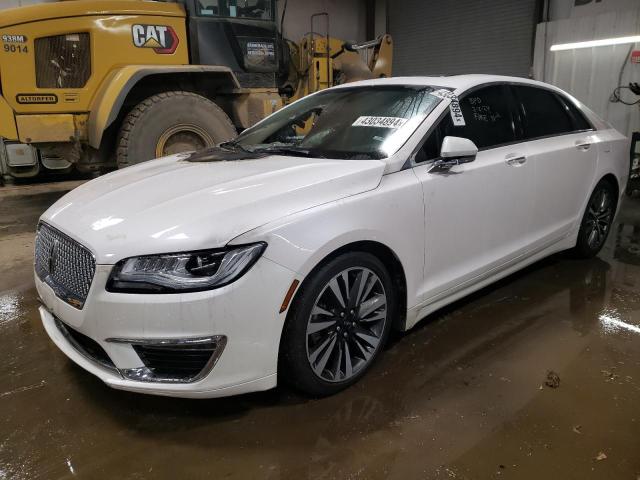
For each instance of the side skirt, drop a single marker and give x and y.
(417, 313)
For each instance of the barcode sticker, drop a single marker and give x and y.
(380, 122)
(456, 113)
(454, 106)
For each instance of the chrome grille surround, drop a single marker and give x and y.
(164, 359)
(65, 265)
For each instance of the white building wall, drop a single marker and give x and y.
(591, 74)
(563, 9)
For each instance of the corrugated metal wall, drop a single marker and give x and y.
(462, 36)
(591, 74)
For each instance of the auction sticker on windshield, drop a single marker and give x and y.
(454, 106)
(456, 113)
(443, 93)
(381, 122)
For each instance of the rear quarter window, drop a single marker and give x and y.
(580, 122)
(544, 114)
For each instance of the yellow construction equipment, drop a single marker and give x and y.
(95, 84)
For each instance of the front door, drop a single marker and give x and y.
(477, 216)
(562, 147)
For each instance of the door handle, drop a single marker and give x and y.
(514, 161)
(582, 145)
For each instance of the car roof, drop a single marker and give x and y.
(462, 83)
(458, 83)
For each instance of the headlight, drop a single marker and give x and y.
(183, 272)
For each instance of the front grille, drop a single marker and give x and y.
(63, 61)
(176, 362)
(64, 264)
(256, 79)
(86, 346)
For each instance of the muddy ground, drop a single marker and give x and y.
(535, 377)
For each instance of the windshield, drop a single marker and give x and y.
(350, 123)
(262, 9)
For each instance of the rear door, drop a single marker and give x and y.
(562, 148)
(477, 216)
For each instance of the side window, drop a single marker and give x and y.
(487, 115)
(488, 122)
(579, 120)
(544, 114)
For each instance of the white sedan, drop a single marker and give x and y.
(290, 253)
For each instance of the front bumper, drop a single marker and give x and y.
(8, 128)
(244, 313)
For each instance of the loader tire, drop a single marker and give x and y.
(169, 123)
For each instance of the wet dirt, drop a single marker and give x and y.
(462, 395)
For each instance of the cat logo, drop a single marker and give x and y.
(162, 38)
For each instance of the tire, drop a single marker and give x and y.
(596, 221)
(344, 332)
(168, 123)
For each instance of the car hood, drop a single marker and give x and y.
(171, 205)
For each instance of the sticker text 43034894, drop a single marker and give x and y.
(380, 122)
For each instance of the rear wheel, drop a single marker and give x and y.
(338, 324)
(169, 123)
(597, 220)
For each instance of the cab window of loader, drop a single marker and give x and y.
(256, 9)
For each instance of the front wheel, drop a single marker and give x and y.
(169, 123)
(597, 220)
(338, 324)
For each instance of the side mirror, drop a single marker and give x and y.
(454, 151)
(458, 147)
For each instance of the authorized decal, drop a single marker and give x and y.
(260, 55)
(36, 98)
(380, 122)
(454, 106)
(261, 49)
(161, 38)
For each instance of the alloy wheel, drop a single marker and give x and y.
(346, 324)
(598, 221)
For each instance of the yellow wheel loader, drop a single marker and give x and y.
(99, 84)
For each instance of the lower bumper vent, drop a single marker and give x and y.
(175, 360)
(182, 360)
(179, 361)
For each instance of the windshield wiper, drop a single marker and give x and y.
(294, 151)
(234, 145)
